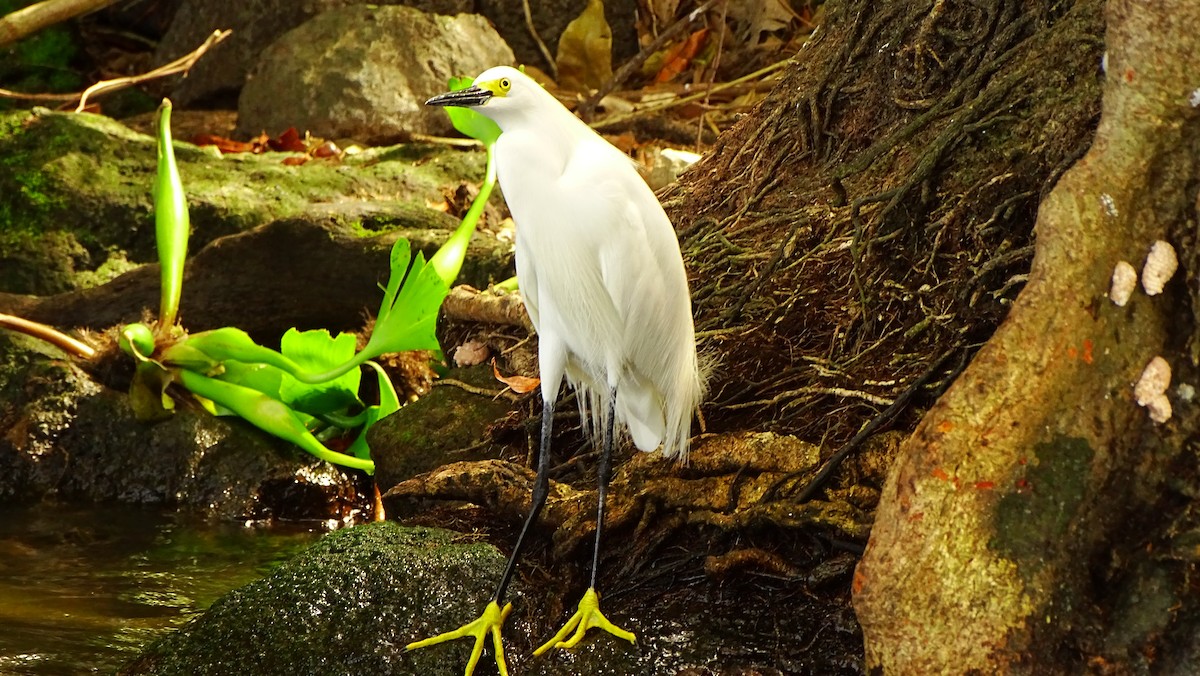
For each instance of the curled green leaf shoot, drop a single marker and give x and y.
(270, 415)
(170, 221)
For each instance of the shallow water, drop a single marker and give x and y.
(82, 589)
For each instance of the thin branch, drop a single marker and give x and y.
(31, 19)
(180, 65)
(48, 334)
(538, 39)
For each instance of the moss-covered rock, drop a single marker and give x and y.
(76, 207)
(347, 605)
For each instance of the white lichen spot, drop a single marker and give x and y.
(1194, 99)
(1161, 264)
(1110, 205)
(1151, 390)
(1124, 281)
(1185, 391)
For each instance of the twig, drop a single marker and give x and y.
(31, 19)
(712, 75)
(481, 391)
(538, 39)
(588, 107)
(49, 334)
(180, 65)
(654, 108)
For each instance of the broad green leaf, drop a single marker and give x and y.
(224, 344)
(170, 221)
(316, 352)
(388, 404)
(407, 317)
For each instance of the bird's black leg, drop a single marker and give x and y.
(541, 489)
(488, 624)
(589, 616)
(605, 472)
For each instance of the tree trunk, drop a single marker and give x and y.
(1016, 493)
(875, 214)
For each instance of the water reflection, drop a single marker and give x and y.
(82, 589)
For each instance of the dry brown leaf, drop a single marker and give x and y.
(585, 50)
(518, 384)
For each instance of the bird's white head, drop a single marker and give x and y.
(498, 93)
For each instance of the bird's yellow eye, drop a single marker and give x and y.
(505, 84)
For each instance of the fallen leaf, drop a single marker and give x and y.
(288, 141)
(680, 56)
(585, 50)
(518, 384)
(223, 144)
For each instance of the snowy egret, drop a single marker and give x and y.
(603, 282)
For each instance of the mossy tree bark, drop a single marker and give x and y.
(1016, 493)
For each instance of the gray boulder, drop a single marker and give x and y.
(365, 72)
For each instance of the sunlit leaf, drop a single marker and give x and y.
(316, 352)
(585, 50)
(408, 315)
(268, 414)
(388, 404)
(170, 221)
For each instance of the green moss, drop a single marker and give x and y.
(1032, 518)
(75, 194)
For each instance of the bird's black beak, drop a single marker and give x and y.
(463, 98)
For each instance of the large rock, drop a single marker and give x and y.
(365, 72)
(348, 605)
(218, 77)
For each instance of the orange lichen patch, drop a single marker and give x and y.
(1088, 345)
(1072, 352)
(859, 580)
(985, 485)
(939, 473)
(945, 426)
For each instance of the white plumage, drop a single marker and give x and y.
(599, 268)
(603, 281)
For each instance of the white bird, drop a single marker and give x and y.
(603, 281)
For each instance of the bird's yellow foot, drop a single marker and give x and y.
(488, 623)
(585, 618)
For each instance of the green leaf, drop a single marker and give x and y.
(449, 258)
(407, 317)
(170, 221)
(268, 414)
(388, 404)
(467, 121)
(316, 351)
(220, 345)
